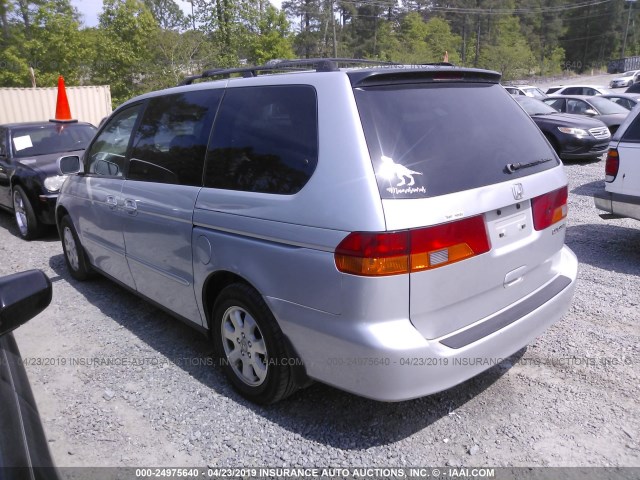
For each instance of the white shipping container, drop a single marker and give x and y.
(88, 104)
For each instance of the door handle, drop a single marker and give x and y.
(130, 206)
(111, 201)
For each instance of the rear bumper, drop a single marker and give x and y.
(392, 361)
(617, 204)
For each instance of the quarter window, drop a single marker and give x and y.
(265, 139)
(171, 141)
(107, 153)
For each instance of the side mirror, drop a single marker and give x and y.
(22, 297)
(69, 165)
(590, 111)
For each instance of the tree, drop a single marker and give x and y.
(56, 45)
(126, 33)
(509, 52)
(273, 38)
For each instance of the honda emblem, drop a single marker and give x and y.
(518, 191)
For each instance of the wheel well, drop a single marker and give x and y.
(217, 282)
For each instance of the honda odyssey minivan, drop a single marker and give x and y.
(372, 228)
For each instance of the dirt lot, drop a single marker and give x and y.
(570, 399)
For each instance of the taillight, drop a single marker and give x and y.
(549, 208)
(378, 254)
(612, 165)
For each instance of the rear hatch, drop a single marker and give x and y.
(623, 161)
(466, 173)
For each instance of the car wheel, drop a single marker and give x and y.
(251, 347)
(28, 225)
(74, 255)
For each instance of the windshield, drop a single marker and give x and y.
(535, 91)
(628, 74)
(606, 106)
(535, 107)
(427, 140)
(31, 141)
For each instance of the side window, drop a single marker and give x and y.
(557, 104)
(265, 139)
(572, 91)
(576, 106)
(171, 141)
(632, 133)
(106, 155)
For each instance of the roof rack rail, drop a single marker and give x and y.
(319, 64)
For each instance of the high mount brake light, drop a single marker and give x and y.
(549, 208)
(394, 253)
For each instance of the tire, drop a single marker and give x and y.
(250, 346)
(28, 226)
(74, 254)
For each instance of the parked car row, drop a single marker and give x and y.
(572, 135)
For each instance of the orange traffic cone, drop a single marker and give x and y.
(63, 112)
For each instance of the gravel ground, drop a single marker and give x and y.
(570, 399)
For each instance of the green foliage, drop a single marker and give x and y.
(125, 37)
(141, 45)
(56, 45)
(273, 40)
(415, 41)
(509, 53)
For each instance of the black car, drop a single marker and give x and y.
(572, 136)
(608, 112)
(29, 175)
(23, 446)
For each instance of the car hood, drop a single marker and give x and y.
(45, 164)
(568, 120)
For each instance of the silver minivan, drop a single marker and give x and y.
(390, 231)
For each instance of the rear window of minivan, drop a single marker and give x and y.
(427, 140)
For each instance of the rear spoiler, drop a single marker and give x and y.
(420, 74)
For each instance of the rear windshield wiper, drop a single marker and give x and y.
(513, 167)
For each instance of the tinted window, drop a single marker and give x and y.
(577, 106)
(171, 141)
(429, 140)
(558, 104)
(632, 133)
(265, 139)
(572, 91)
(50, 138)
(607, 107)
(107, 153)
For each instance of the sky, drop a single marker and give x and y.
(90, 9)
